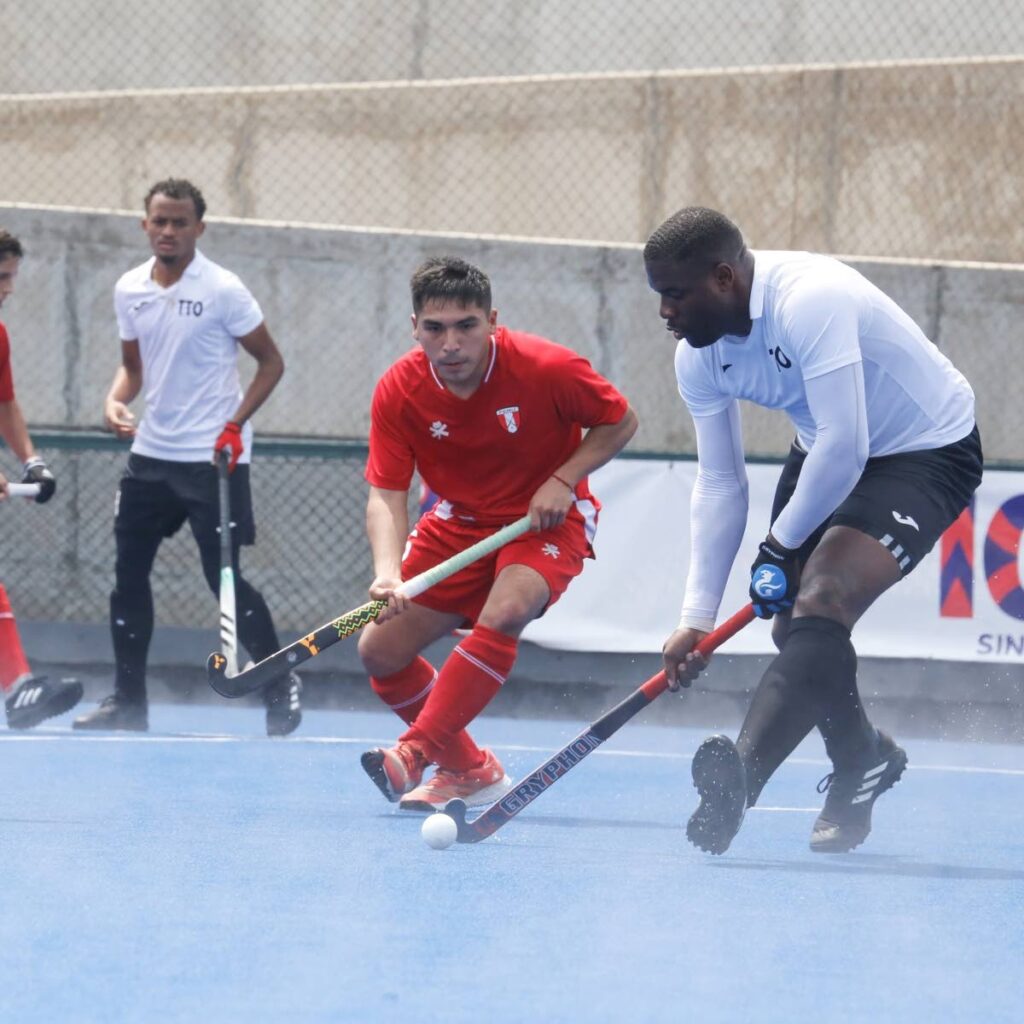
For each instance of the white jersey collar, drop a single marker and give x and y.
(193, 270)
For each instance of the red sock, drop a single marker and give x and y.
(468, 680)
(406, 691)
(13, 664)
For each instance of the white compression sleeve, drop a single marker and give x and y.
(718, 515)
(836, 459)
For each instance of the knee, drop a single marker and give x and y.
(130, 574)
(510, 615)
(377, 658)
(823, 595)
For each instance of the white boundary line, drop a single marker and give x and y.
(368, 741)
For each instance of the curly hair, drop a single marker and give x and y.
(178, 188)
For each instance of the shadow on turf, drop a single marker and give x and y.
(564, 822)
(873, 864)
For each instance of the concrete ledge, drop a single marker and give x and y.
(591, 297)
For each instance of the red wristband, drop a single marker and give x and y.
(555, 476)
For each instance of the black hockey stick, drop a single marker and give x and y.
(546, 775)
(277, 664)
(228, 613)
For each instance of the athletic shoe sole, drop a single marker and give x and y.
(721, 782)
(63, 701)
(481, 798)
(373, 764)
(834, 837)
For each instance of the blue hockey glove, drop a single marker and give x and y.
(774, 579)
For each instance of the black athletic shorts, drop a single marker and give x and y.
(906, 501)
(156, 497)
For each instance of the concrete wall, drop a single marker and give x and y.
(337, 301)
(62, 45)
(890, 161)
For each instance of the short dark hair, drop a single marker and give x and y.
(178, 188)
(9, 245)
(449, 279)
(695, 232)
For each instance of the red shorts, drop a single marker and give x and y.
(556, 554)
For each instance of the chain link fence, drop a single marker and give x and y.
(310, 560)
(874, 128)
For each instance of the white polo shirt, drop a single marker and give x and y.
(812, 314)
(187, 342)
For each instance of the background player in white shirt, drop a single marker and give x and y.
(886, 457)
(182, 318)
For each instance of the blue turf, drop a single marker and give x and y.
(176, 877)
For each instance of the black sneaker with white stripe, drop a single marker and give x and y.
(845, 820)
(721, 781)
(38, 698)
(284, 705)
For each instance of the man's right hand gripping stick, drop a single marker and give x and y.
(276, 665)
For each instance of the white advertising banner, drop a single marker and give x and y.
(964, 602)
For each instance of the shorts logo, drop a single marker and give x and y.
(770, 582)
(438, 430)
(551, 550)
(510, 415)
(905, 520)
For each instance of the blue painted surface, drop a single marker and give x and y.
(204, 872)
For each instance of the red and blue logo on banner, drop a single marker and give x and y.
(1001, 562)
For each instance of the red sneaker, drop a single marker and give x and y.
(396, 770)
(478, 787)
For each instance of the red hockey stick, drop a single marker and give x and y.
(547, 774)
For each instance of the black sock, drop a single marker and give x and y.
(783, 711)
(812, 681)
(841, 719)
(131, 627)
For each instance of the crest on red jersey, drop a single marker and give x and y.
(509, 418)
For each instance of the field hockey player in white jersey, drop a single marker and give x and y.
(886, 456)
(182, 319)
